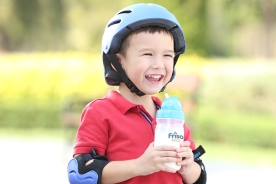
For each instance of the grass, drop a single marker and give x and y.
(32, 133)
(214, 151)
(239, 126)
(237, 153)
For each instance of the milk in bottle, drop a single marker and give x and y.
(170, 125)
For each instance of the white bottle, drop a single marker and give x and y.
(170, 125)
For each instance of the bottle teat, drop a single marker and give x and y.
(171, 103)
(171, 108)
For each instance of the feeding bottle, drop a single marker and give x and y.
(170, 125)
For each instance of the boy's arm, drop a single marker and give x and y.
(119, 171)
(194, 171)
(196, 176)
(100, 171)
(193, 174)
(152, 160)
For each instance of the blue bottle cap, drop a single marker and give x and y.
(171, 108)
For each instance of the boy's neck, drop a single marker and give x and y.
(134, 98)
(146, 100)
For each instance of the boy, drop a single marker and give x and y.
(141, 45)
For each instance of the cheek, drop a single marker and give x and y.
(134, 71)
(169, 69)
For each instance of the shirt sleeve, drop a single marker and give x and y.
(188, 136)
(92, 132)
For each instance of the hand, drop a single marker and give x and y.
(188, 157)
(153, 159)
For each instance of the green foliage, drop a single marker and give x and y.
(192, 17)
(28, 25)
(240, 12)
(30, 113)
(235, 102)
(32, 25)
(252, 154)
(34, 88)
(241, 86)
(211, 28)
(235, 127)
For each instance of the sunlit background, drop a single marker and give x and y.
(50, 67)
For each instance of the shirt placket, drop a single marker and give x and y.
(146, 116)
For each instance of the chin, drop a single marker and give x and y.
(151, 92)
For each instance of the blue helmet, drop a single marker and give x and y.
(131, 19)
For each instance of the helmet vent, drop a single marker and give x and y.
(114, 22)
(125, 11)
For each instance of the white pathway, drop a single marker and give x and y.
(43, 161)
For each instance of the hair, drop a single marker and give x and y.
(149, 29)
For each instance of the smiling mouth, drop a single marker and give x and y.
(154, 77)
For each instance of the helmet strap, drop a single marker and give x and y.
(131, 86)
(114, 61)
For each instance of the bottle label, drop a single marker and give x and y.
(174, 137)
(169, 132)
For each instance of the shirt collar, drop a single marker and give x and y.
(123, 104)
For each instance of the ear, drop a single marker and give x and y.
(119, 57)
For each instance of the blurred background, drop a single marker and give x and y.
(50, 67)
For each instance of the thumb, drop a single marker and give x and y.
(151, 144)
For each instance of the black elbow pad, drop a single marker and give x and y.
(203, 175)
(79, 173)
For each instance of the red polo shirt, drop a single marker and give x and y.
(116, 127)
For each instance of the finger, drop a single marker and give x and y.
(185, 162)
(151, 145)
(167, 169)
(165, 148)
(167, 154)
(184, 149)
(185, 143)
(164, 160)
(187, 154)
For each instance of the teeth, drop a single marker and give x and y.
(155, 76)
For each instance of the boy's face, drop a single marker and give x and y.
(149, 60)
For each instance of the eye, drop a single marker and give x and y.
(147, 54)
(169, 55)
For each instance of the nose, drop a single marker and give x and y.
(157, 63)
